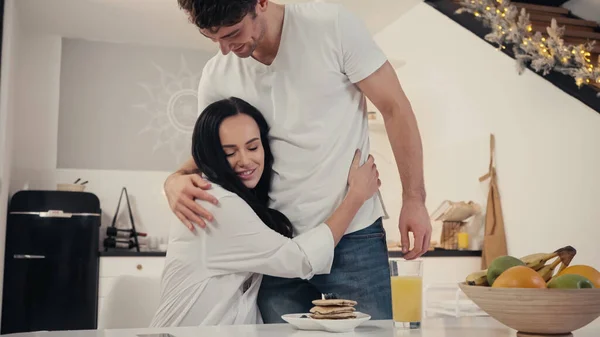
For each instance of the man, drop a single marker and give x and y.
(308, 68)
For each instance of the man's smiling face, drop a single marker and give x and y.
(241, 38)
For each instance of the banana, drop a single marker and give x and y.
(538, 261)
(548, 270)
(538, 266)
(478, 278)
(566, 255)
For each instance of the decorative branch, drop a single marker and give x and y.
(544, 54)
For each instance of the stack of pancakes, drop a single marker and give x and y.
(333, 309)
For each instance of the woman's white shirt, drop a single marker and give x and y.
(212, 276)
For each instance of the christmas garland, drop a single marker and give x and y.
(544, 54)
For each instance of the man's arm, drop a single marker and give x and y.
(384, 90)
(366, 65)
(188, 167)
(181, 188)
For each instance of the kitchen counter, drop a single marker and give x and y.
(432, 327)
(117, 253)
(438, 252)
(392, 252)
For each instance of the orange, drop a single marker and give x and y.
(588, 272)
(519, 277)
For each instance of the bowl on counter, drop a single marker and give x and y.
(538, 312)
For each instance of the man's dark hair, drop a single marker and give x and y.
(207, 14)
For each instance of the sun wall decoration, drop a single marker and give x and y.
(172, 108)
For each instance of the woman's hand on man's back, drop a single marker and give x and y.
(363, 179)
(181, 190)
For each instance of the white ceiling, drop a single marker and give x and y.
(159, 22)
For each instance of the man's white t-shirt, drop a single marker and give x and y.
(316, 113)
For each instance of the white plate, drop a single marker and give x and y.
(330, 325)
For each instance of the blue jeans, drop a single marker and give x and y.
(360, 272)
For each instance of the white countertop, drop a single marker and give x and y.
(433, 327)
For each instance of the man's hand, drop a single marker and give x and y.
(181, 191)
(414, 218)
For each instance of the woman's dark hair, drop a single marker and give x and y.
(211, 160)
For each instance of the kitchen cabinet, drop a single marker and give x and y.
(114, 267)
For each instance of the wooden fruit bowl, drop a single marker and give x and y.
(538, 312)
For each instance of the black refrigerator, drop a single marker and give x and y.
(51, 262)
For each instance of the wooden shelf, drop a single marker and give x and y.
(542, 9)
(437, 252)
(581, 34)
(563, 21)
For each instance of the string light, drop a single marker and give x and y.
(542, 53)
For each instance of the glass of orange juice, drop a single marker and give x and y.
(407, 292)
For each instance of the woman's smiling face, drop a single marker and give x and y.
(240, 138)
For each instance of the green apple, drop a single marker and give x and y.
(570, 281)
(499, 265)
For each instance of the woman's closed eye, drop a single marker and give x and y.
(253, 148)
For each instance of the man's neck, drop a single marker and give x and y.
(267, 49)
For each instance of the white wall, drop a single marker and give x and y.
(10, 52)
(34, 143)
(586, 9)
(548, 161)
(128, 106)
(37, 101)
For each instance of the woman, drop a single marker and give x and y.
(212, 277)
